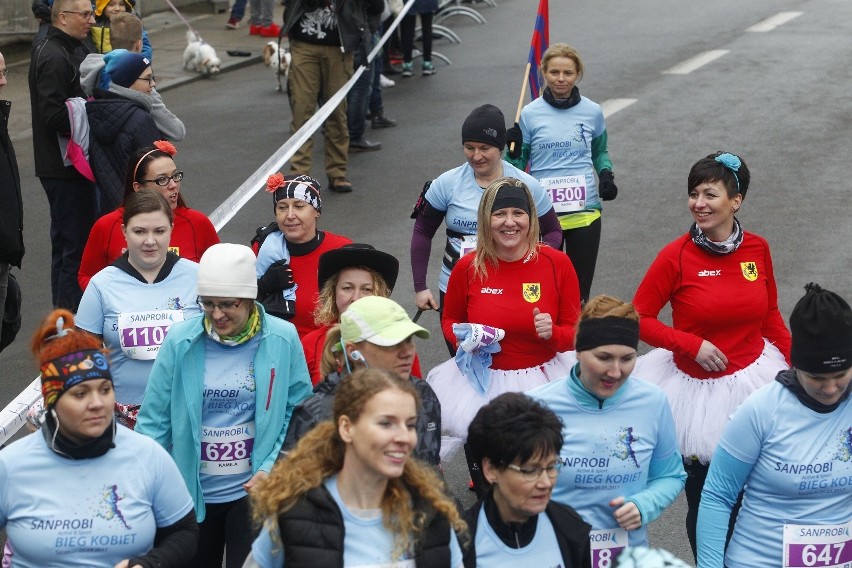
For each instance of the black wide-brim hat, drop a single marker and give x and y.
(355, 255)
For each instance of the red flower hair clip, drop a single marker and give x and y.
(166, 147)
(274, 181)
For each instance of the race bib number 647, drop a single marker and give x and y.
(825, 546)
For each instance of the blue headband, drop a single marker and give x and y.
(731, 162)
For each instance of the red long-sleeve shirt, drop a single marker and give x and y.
(729, 300)
(500, 301)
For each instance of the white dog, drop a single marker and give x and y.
(278, 59)
(200, 55)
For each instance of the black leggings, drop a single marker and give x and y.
(227, 530)
(581, 245)
(696, 475)
(406, 30)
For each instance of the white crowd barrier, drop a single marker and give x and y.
(13, 416)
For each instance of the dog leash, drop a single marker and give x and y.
(184, 20)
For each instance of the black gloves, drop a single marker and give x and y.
(513, 135)
(607, 188)
(278, 277)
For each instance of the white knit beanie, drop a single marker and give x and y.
(227, 271)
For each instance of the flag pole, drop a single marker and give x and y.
(521, 99)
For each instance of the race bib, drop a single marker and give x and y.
(227, 450)
(142, 333)
(607, 544)
(568, 193)
(468, 244)
(825, 546)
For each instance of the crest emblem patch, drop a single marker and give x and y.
(532, 291)
(749, 270)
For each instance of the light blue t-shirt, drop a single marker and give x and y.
(367, 541)
(802, 473)
(227, 419)
(561, 142)
(273, 249)
(88, 513)
(457, 193)
(607, 452)
(133, 317)
(541, 552)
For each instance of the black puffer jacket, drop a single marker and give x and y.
(119, 124)
(11, 206)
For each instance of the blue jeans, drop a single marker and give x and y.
(376, 104)
(358, 100)
(261, 11)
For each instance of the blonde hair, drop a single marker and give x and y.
(562, 50)
(604, 306)
(486, 252)
(320, 454)
(326, 312)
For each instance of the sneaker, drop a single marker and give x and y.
(339, 184)
(272, 30)
(408, 69)
(254, 29)
(385, 82)
(428, 68)
(381, 121)
(233, 23)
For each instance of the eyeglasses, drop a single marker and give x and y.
(164, 180)
(533, 473)
(150, 79)
(4, 72)
(85, 13)
(209, 307)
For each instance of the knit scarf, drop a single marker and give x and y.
(145, 100)
(250, 330)
(727, 246)
(572, 100)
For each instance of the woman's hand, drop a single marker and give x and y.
(710, 358)
(627, 515)
(425, 300)
(543, 324)
(254, 479)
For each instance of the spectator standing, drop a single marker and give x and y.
(319, 32)
(101, 32)
(126, 33)
(261, 17)
(358, 99)
(54, 77)
(426, 9)
(11, 205)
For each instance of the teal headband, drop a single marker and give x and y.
(731, 162)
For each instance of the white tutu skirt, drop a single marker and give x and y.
(460, 402)
(701, 407)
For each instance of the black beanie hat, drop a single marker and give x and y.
(487, 125)
(821, 326)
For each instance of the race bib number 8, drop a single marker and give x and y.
(142, 333)
(568, 193)
(607, 544)
(825, 546)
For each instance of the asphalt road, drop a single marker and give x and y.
(779, 98)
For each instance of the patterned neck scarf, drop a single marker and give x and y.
(251, 329)
(727, 246)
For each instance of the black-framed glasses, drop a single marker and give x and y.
(85, 13)
(164, 180)
(150, 79)
(533, 473)
(209, 307)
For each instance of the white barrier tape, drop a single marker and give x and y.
(13, 417)
(15, 414)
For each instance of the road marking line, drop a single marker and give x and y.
(612, 106)
(696, 62)
(773, 22)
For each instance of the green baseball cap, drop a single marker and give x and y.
(381, 321)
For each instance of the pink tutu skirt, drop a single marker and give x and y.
(460, 402)
(701, 407)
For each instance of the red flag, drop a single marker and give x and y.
(538, 45)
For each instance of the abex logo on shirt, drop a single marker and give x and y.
(532, 291)
(749, 270)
